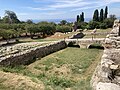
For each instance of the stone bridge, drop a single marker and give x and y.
(85, 43)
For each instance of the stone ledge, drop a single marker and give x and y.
(28, 56)
(107, 86)
(107, 73)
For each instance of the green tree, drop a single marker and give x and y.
(112, 17)
(7, 34)
(93, 25)
(5, 19)
(82, 17)
(29, 21)
(106, 12)
(103, 25)
(82, 25)
(43, 22)
(32, 29)
(110, 21)
(41, 29)
(96, 15)
(11, 16)
(101, 15)
(63, 22)
(63, 29)
(78, 18)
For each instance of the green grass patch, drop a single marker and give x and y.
(73, 67)
(78, 61)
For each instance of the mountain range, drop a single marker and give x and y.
(58, 20)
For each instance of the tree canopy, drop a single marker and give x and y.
(106, 12)
(96, 15)
(101, 15)
(11, 17)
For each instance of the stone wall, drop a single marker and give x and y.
(85, 42)
(107, 73)
(28, 56)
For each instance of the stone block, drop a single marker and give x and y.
(107, 86)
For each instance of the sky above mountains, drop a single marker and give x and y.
(57, 9)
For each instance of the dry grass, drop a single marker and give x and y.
(102, 33)
(12, 81)
(55, 37)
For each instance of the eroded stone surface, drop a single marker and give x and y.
(107, 86)
(29, 55)
(107, 73)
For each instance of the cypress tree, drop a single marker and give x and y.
(101, 15)
(82, 17)
(106, 12)
(96, 15)
(78, 18)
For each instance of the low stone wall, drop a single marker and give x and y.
(28, 56)
(107, 73)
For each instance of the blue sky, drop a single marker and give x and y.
(57, 9)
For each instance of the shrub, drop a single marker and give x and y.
(103, 25)
(109, 22)
(93, 25)
(63, 29)
(7, 34)
(81, 25)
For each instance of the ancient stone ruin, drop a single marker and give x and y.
(25, 54)
(107, 73)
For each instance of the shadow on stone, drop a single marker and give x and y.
(79, 35)
(73, 44)
(96, 46)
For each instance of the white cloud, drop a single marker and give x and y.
(41, 9)
(61, 4)
(83, 8)
(111, 1)
(74, 4)
(57, 4)
(69, 5)
(60, 8)
(98, 3)
(92, 5)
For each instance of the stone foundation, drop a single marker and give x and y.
(29, 56)
(107, 73)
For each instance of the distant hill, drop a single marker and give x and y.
(118, 17)
(58, 20)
